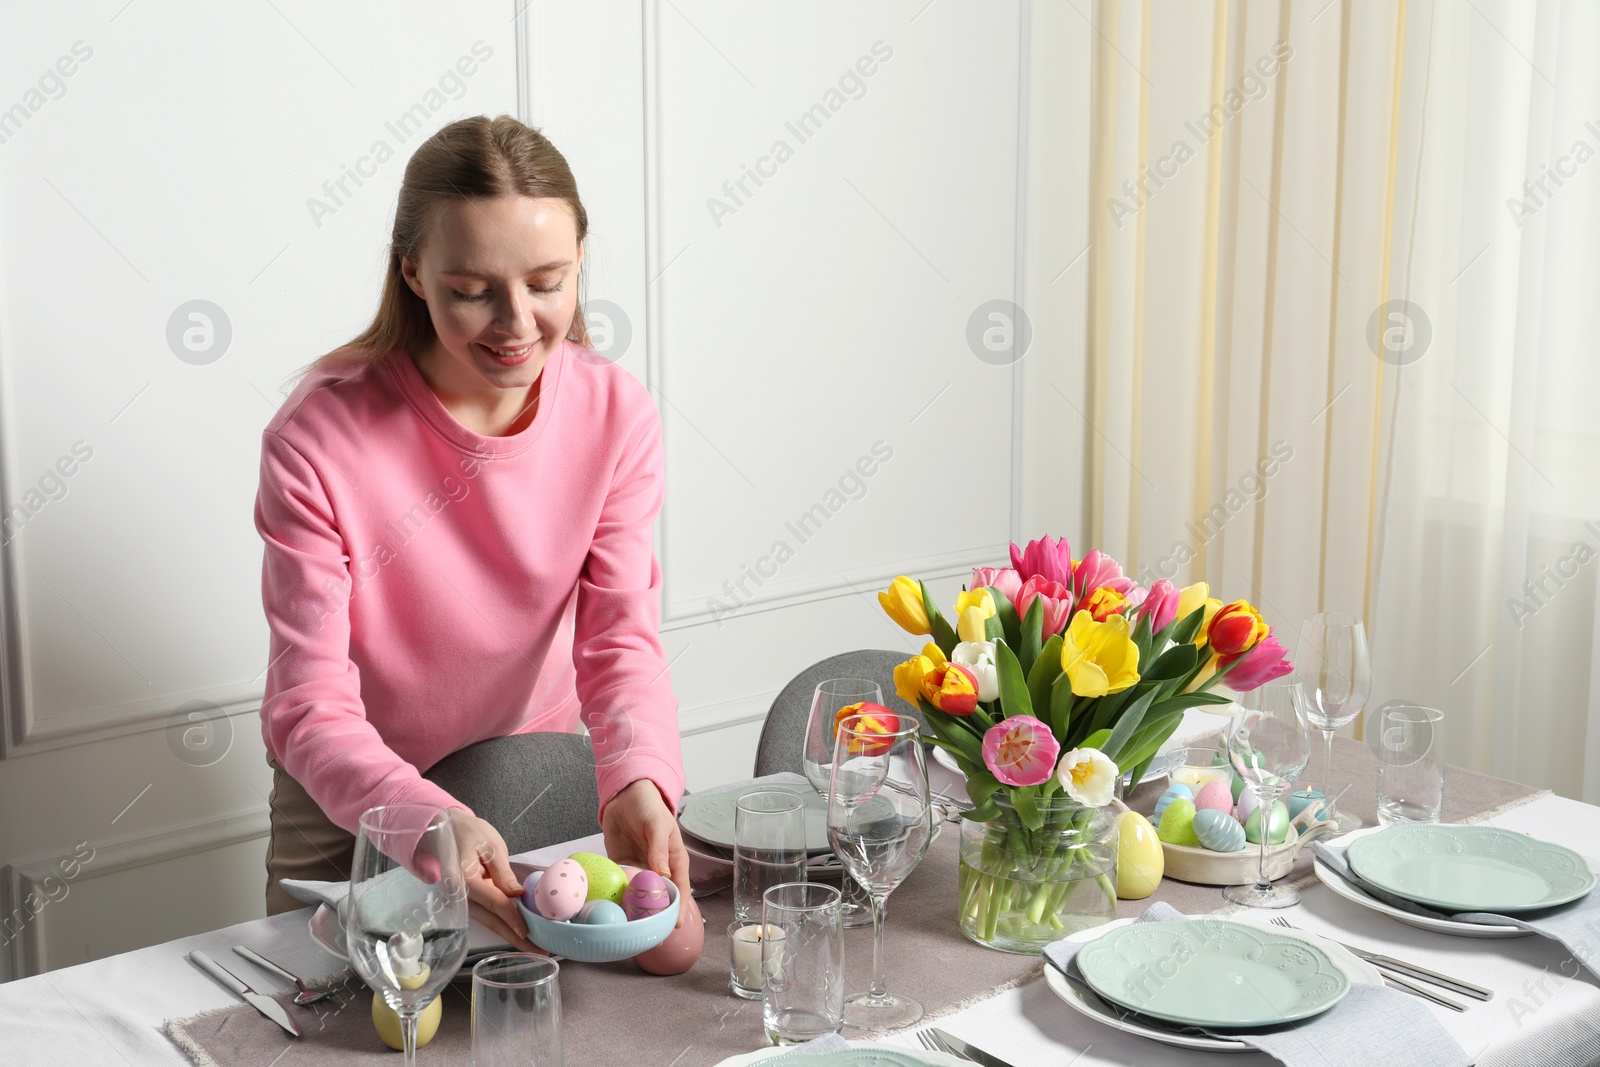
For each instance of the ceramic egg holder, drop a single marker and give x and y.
(1191, 863)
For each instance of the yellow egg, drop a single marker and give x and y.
(387, 1022)
(1139, 857)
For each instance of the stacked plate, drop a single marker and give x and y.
(707, 824)
(1187, 984)
(1454, 869)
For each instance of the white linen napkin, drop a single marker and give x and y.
(818, 1046)
(1370, 1024)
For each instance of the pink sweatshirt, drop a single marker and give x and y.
(427, 587)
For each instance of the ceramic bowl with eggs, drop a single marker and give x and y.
(1216, 841)
(574, 937)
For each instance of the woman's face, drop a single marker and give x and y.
(500, 278)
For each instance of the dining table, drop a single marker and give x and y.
(153, 1006)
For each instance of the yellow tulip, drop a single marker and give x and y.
(1191, 597)
(934, 654)
(908, 678)
(1205, 674)
(903, 603)
(1099, 657)
(973, 608)
(1212, 606)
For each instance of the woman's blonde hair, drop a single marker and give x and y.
(472, 159)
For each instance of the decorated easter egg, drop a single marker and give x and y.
(1249, 800)
(560, 893)
(646, 894)
(528, 887)
(1174, 792)
(1277, 826)
(387, 1021)
(601, 913)
(681, 948)
(1214, 796)
(606, 880)
(1306, 798)
(1140, 861)
(1177, 823)
(1217, 830)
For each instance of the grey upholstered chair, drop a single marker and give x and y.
(783, 735)
(536, 789)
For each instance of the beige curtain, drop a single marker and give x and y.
(1340, 356)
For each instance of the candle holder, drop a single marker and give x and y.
(744, 956)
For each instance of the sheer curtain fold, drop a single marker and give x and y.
(1343, 291)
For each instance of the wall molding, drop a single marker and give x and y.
(27, 736)
(26, 952)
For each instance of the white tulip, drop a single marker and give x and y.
(1088, 776)
(978, 657)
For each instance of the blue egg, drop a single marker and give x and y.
(1218, 831)
(1174, 791)
(600, 913)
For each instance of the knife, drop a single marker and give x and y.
(968, 1051)
(264, 1004)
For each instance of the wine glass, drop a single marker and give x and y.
(830, 697)
(1269, 744)
(406, 927)
(1332, 664)
(880, 821)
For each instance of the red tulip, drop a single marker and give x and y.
(952, 688)
(1236, 628)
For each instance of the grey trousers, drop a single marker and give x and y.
(304, 842)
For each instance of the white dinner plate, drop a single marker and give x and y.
(1422, 922)
(861, 1054)
(1357, 970)
(943, 758)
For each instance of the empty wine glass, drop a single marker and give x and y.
(1334, 668)
(831, 697)
(406, 927)
(880, 821)
(1269, 744)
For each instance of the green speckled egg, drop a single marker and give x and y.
(1278, 828)
(1177, 823)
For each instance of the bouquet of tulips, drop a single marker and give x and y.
(1056, 673)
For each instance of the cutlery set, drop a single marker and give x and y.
(1399, 973)
(263, 1003)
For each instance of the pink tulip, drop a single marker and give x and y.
(1095, 570)
(1004, 579)
(1045, 558)
(1021, 750)
(1056, 599)
(1161, 605)
(1263, 663)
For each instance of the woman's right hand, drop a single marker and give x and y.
(492, 890)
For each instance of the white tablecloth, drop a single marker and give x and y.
(111, 1011)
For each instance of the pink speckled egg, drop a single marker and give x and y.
(1215, 796)
(646, 894)
(560, 892)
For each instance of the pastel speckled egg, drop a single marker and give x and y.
(1140, 861)
(601, 913)
(646, 894)
(1278, 826)
(1249, 800)
(1174, 791)
(1177, 823)
(1214, 796)
(528, 888)
(560, 892)
(1217, 830)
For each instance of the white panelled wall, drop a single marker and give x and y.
(800, 216)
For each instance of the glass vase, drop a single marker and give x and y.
(1021, 889)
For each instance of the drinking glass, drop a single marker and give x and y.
(406, 925)
(1332, 664)
(802, 962)
(880, 821)
(769, 847)
(1269, 744)
(516, 1011)
(1410, 763)
(831, 697)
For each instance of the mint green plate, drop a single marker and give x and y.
(1212, 972)
(1471, 868)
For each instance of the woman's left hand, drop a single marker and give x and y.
(641, 832)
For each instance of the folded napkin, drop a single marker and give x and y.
(818, 1046)
(1571, 925)
(311, 891)
(1370, 1024)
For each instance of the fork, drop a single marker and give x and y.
(1388, 964)
(306, 994)
(931, 1042)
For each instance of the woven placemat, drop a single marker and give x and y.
(615, 1013)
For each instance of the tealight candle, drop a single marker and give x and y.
(744, 956)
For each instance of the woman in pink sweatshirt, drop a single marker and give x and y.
(457, 509)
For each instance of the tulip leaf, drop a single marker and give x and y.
(994, 630)
(988, 811)
(1106, 708)
(1142, 637)
(1046, 669)
(1007, 614)
(1182, 632)
(1151, 735)
(1175, 662)
(1136, 774)
(1014, 697)
(1094, 740)
(957, 736)
(1061, 705)
(1032, 634)
(942, 634)
(981, 786)
(1125, 727)
(1022, 799)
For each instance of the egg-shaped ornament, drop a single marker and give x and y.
(1175, 791)
(561, 892)
(646, 894)
(681, 948)
(1218, 831)
(601, 913)
(606, 878)
(1249, 800)
(528, 888)
(1277, 825)
(1140, 861)
(1214, 795)
(1177, 824)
